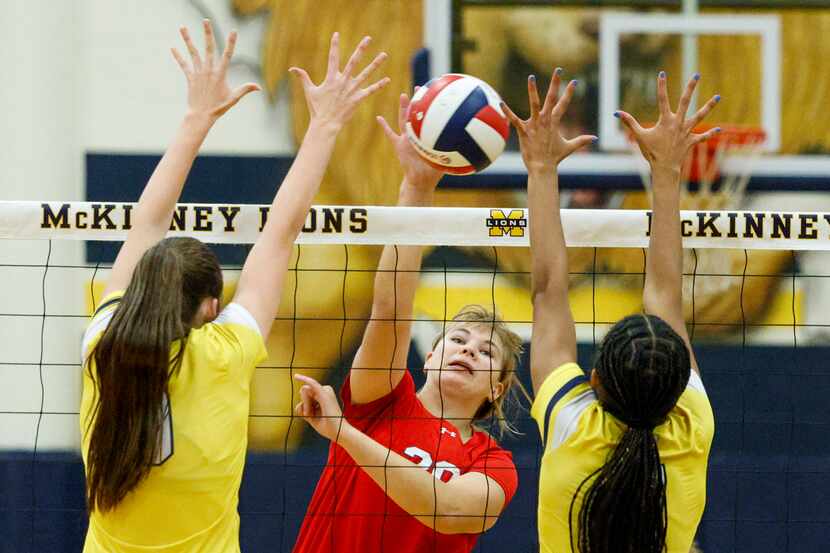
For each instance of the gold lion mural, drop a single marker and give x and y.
(364, 168)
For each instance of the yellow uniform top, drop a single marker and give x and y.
(578, 436)
(188, 502)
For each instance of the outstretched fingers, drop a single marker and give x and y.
(575, 144)
(334, 56)
(181, 61)
(372, 88)
(403, 106)
(357, 55)
(227, 55)
(701, 114)
(703, 137)
(630, 122)
(565, 101)
(553, 91)
(387, 130)
(210, 43)
(533, 96)
(517, 123)
(363, 75)
(239, 93)
(301, 74)
(194, 53)
(663, 95)
(686, 98)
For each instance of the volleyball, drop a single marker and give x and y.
(456, 123)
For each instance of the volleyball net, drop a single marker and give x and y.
(756, 292)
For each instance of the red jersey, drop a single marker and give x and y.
(350, 512)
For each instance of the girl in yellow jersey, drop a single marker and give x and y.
(625, 449)
(164, 413)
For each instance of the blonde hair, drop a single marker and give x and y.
(511, 344)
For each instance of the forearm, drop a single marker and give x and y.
(386, 338)
(413, 489)
(155, 206)
(293, 200)
(398, 275)
(553, 341)
(664, 265)
(549, 257)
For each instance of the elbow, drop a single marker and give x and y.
(464, 524)
(659, 301)
(458, 518)
(548, 297)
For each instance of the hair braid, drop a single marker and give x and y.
(643, 366)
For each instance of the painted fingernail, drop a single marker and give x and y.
(531, 77)
(717, 129)
(617, 114)
(717, 98)
(594, 140)
(662, 74)
(696, 76)
(574, 82)
(558, 71)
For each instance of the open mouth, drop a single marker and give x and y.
(461, 366)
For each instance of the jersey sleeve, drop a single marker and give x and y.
(497, 464)
(695, 401)
(361, 415)
(236, 332)
(100, 321)
(564, 395)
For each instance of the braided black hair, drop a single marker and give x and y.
(644, 366)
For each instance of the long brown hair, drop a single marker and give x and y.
(132, 364)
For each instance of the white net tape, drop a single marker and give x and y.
(368, 225)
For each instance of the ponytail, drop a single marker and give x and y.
(643, 367)
(132, 365)
(625, 509)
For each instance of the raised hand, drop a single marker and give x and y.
(541, 142)
(416, 171)
(207, 87)
(334, 100)
(666, 145)
(319, 407)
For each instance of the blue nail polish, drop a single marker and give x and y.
(717, 129)
(662, 74)
(574, 82)
(595, 140)
(617, 114)
(717, 98)
(558, 71)
(531, 77)
(696, 76)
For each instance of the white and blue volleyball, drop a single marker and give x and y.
(456, 123)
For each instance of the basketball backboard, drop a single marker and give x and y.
(750, 55)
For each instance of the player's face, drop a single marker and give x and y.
(468, 361)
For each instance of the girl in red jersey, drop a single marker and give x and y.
(408, 471)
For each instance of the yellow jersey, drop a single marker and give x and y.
(578, 436)
(189, 500)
